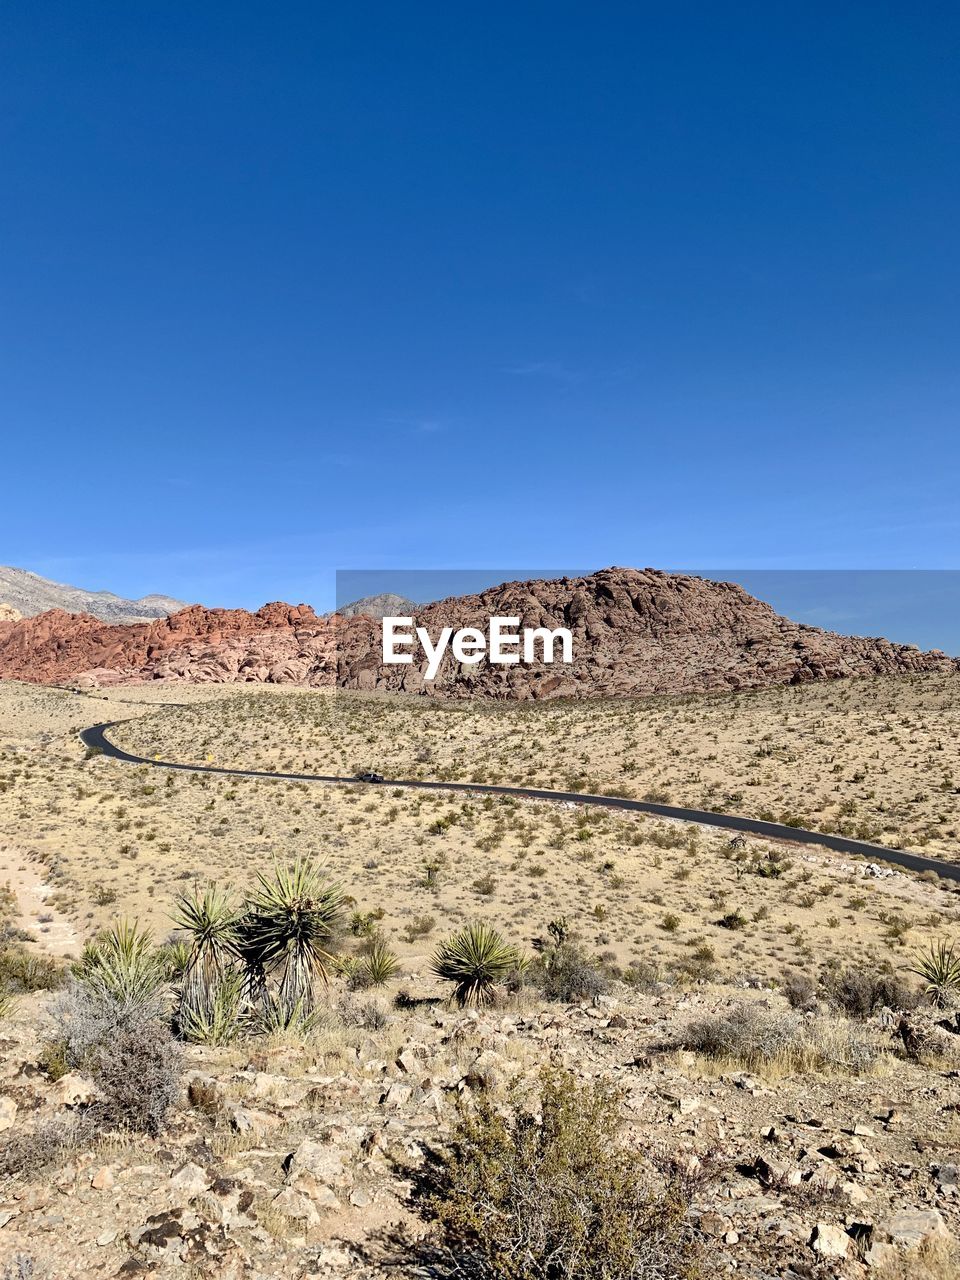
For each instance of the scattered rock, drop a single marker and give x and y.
(8, 1113)
(829, 1241)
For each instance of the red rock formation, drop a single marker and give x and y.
(55, 647)
(634, 631)
(638, 632)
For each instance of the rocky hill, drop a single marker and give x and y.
(29, 595)
(385, 605)
(8, 613)
(635, 632)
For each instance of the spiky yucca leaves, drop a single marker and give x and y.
(209, 917)
(475, 959)
(290, 928)
(275, 1018)
(380, 964)
(219, 1018)
(124, 966)
(939, 967)
(175, 957)
(373, 968)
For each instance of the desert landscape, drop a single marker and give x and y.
(766, 1030)
(479, 642)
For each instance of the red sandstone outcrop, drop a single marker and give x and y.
(55, 647)
(635, 632)
(639, 632)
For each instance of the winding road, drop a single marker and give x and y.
(96, 738)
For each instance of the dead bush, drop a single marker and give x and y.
(138, 1078)
(760, 1039)
(28, 1153)
(127, 1050)
(565, 973)
(860, 994)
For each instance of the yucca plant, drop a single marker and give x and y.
(290, 928)
(123, 966)
(939, 967)
(209, 918)
(380, 964)
(274, 1017)
(475, 959)
(175, 957)
(219, 1018)
(351, 968)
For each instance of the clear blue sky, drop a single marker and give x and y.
(292, 287)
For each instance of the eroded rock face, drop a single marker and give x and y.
(635, 632)
(58, 647)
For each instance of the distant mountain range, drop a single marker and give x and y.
(635, 632)
(27, 594)
(385, 605)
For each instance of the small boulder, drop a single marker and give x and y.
(103, 1179)
(74, 1090)
(912, 1228)
(190, 1180)
(829, 1241)
(8, 1113)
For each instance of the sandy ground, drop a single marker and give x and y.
(107, 838)
(875, 759)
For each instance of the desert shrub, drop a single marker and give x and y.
(418, 928)
(519, 1196)
(126, 1048)
(23, 971)
(137, 1077)
(939, 967)
(475, 960)
(733, 920)
(370, 1015)
(860, 994)
(800, 991)
(565, 973)
(29, 1152)
(757, 1039)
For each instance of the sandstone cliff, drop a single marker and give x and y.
(635, 632)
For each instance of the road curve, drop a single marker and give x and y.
(96, 738)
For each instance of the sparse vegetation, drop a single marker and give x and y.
(523, 1196)
(475, 960)
(765, 1040)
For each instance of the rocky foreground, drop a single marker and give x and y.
(301, 1161)
(635, 632)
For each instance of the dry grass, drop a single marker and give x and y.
(647, 895)
(876, 759)
(774, 1043)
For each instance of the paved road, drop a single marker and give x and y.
(96, 737)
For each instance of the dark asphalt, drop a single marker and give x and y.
(96, 737)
